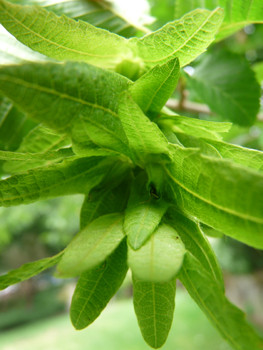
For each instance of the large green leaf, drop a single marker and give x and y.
(96, 287)
(186, 38)
(154, 305)
(191, 126)
(69, 97)
(219, 193)
(143, 214)
(160, 258)
(63, 38)
(92, 245)
(102, 14)
(146, 141)
(247, 157)
(238, 13)
(28, 270)
(105, 201)
(195, 242)
(153, 89)
(225, 82)
(226, 317)
(74, 175)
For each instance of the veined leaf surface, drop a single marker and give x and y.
(153, 89)
(185, 39)
(146, 141)
(76, 175)
(160, 258)
(92, 245)
(154, 305)
(214, 191)
(68, 97)
(244, 156)
(191, 126)
(226, 317)
(238, 13)
(101, 14)
(96, 287)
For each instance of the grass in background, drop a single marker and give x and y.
(116, 329)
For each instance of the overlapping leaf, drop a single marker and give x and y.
(160, 258)
(185, 39)
(28, 270)
(145, 138)
(216, 192)
(105, 201)
(196, 243)
(101, 14)
(69, 97)
(238, 13)
(143, 214)
(228, 85)
(153, 89)
(96, 287)
(247, 157)
(226, 317)
(92, 245)
(191, 126)
(154, 305)
(75, 175)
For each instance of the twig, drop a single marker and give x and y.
(194, 107)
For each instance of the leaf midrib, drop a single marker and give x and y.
(186, 42)
(52, 42)
(217, 206)
(39, 88)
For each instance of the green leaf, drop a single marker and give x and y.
(225, 82)
(194, 33)
(191, 126)
(28, 270)
(214, 191)
(61, 37)
(21, 162)
(75, 175)
(146, 141)
(226, 317)
(13, 125)
(41, 139)
(96, 287)
(153, 89)
(70, 97)
(143, 214)
(244, 156)
(101, 14)
(186, 38)
(154, 305)
(196, 243)
(105, 201)
(238, 13)
(92, 245)
(160, 258)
